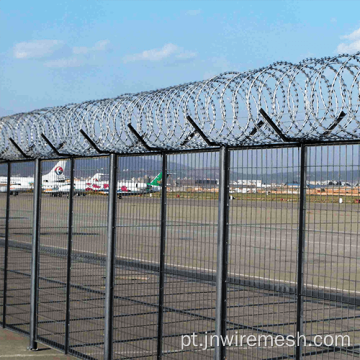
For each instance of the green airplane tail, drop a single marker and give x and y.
(157, 180)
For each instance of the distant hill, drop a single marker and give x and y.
(132, 166)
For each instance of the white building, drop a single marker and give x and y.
(257, 183)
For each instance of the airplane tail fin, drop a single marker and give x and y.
(97, 177)
(157, 180)
(56, 173)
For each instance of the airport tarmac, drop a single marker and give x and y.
(262, 254)
(263, 236)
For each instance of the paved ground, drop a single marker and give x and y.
(263, 249)
(14, 346)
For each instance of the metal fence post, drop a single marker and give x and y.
(162, 257)
(301, 248)
(222, 253)
(35, 256)
(6, 245)
(110, 259)
(69, 250)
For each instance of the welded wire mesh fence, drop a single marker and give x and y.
(52, 263)
(263, 248)
(3, 229)
(331, 274)
(244, 243)
(190, 256)
(87, 291)
(136, 295)
(19, 248)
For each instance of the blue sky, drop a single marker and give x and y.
(54, 53)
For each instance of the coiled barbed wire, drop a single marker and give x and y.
(303, 100)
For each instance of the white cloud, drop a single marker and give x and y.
(80, 50)
(78, 59)
(37, 48)
(99, 46)
(154, 54)
(160, 54)
(351, 47)
(64, 63)
(353, 36)
(186, 55)
(193, 12)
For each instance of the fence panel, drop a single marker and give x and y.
(190, 256)
(53, 254)
(331, 273)
(262, 271)
(3, 188)
(137, 257)
(88, 257)
(20, 239)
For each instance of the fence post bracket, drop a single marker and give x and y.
(142, 141)
(18, 148)
(200, 132)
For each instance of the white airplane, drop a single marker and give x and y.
(129, 188)
(96, 184)
(81, 187)
(49, 181)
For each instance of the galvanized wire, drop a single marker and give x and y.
(304, 100)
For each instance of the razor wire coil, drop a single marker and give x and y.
(303, 100)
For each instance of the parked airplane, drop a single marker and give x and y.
(95, 184)
(80, 187)
(49, 181)
(130, 188)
